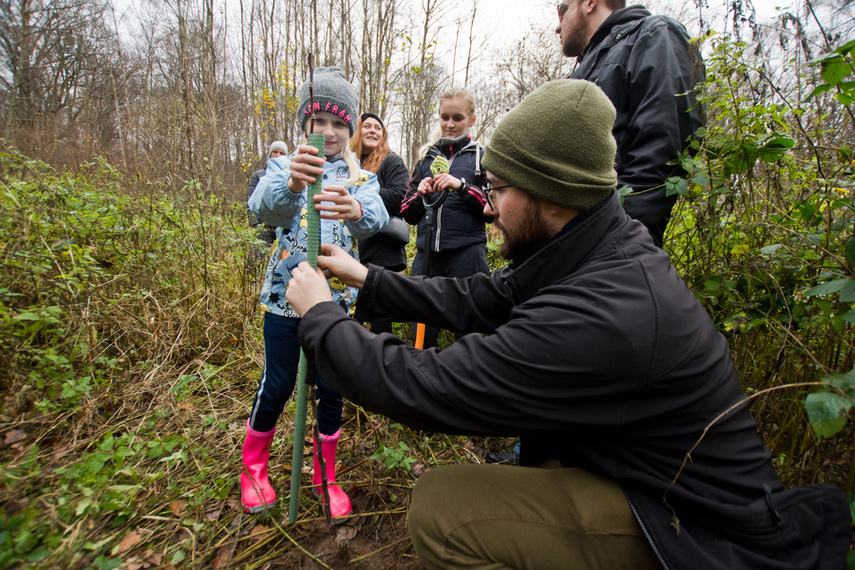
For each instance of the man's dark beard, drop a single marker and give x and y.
(530, 235)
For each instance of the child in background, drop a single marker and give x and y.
(350, 207)
(459, 244)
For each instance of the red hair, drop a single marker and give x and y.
(372, 159)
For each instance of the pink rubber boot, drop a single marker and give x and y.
(339, 501)
(256, 494)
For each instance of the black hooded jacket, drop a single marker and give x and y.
(460, 220)
(392, 176)
(647, 68)
(597, 354)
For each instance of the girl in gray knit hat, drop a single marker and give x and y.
(350, 207)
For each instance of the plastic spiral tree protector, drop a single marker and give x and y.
(313, 241)
(439, 165)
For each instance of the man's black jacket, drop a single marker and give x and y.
(647, 68)
(597, 354)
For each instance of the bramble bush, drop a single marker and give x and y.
(764, 236)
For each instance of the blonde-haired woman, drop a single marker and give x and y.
(458, 247)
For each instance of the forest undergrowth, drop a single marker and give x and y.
(131, 347)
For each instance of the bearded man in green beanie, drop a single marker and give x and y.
(638, 449)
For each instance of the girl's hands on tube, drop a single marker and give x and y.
(336, 203)
(306, 166)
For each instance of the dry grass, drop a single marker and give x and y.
(131, 350)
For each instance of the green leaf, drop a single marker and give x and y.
(676, 185)
(849, 252)
(845, 98)
(82, 505)
(38, 554)
(834, 70)
(807, 211)
(105, 563)
(775, 149)
(848, 47)
(847, 292)
(849, 316)
(770, 250)
(827, 412)
(107, 445)
(27, 317)
(701, 179)
(178, 557)
(123, 488)
(827, 288)
(845, 382)
(819, 90)
(822, 59)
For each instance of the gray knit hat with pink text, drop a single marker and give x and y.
(333, 94)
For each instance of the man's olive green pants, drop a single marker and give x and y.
(503, 516)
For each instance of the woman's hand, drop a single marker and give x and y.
(306, 166)
(307, 288)
(444, 181)
(425, 187)
(336, 203)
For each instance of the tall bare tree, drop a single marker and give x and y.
(52, 55)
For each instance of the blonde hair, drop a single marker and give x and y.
(450, 93)
(352, 165)
(372, 159)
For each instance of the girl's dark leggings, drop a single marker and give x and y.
(281, 360)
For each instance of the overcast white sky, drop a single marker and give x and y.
(505, 21)
(514, 14)
(501, 22)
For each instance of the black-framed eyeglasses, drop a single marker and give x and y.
(562, 9)
(489, 189)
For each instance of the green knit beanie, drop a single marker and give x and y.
(557, 145)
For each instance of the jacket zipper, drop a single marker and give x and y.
(438, 228)
(647, 535)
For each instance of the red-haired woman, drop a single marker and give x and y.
(370, 144)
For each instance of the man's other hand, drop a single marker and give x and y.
(307, 288)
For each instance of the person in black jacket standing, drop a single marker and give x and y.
(370, 143)
(458, 246)
(648, 69)
(638, 447)
(266, 233)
